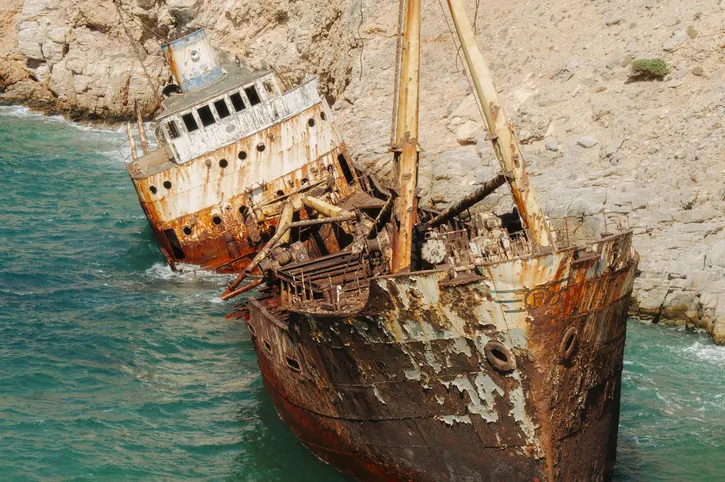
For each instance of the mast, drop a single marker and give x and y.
(500, 132)
(141, 129)
(406, 148)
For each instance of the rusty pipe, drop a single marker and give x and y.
(285, 219)
(382, 219)
(461, 205)
(227, 295)
(283, 230)
(275, 241)
(322, 207)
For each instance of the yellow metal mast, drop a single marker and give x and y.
(500, 132)
(406, 148)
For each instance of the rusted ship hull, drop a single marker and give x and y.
(513, 374)
(206, 212)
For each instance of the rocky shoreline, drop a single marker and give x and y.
(596, 140)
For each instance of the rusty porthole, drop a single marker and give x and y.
(499, 356)
(242, 155)
(167, 184)
(569, 344)
(187, 230)
(311, 122)
(153, 189)
(216, 220)
(280, 193)
(261, 147)
(223, 163)
(323, 116)
(293, 364)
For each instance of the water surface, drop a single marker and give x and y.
(114, 368)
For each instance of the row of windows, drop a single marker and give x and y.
(206, 115)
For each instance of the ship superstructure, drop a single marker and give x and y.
(450, 346)
(233, 146)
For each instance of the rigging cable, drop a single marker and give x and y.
(153, 32)
(396, 82)
(134, 44)
(458, 51)
(359, 37)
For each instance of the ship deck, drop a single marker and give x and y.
(152, 163)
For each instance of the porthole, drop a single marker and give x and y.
(242, 155)
(187, 230)
(311, 122)
(153, 189)
(223, 163)
(293, 364)
(323, 116)
(280, 193)
(216, 220)
(261, 147)
(569, 344)
(499, 356)
(167, 184)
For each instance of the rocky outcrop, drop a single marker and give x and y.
(596, 140)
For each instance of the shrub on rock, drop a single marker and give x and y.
(647, 69)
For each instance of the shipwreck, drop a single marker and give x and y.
(455, 345)
(233, 146)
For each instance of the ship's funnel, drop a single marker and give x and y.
(192, 61)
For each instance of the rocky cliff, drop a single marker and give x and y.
(597, 140)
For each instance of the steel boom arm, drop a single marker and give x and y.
(500, 132)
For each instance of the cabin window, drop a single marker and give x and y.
(221, 109)
(267, 346)
(172, 129)
(206, 116)
(311, 122)
(190, 122)
(323, 116)
(269, 87)
(153, 189)
(167, 184)
(242, 155)
(261, 147)
(223, 163)
(187, 230)
(252, 95)
(174, 243)
(216, 220)
(237, 102)
(345, 168)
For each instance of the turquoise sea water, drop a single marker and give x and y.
(114, 368)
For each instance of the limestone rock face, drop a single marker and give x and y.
(563, 70)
